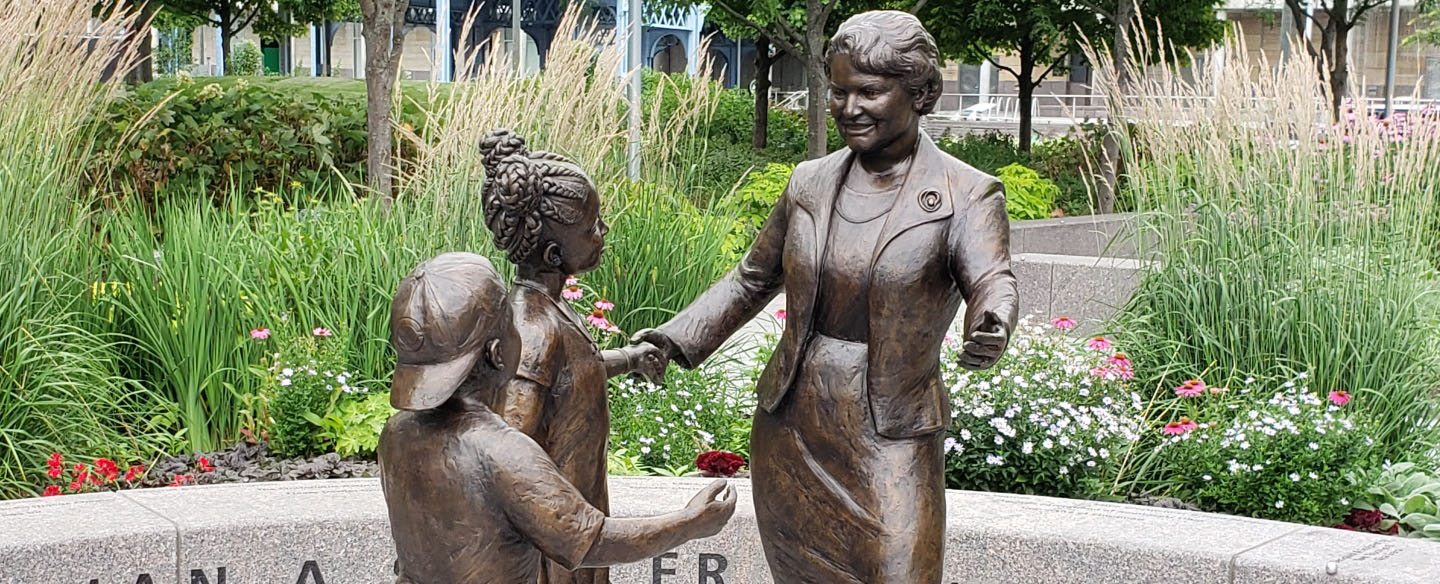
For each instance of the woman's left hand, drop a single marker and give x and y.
(985, 344)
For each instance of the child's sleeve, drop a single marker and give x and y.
(546, 508)
(539, 345)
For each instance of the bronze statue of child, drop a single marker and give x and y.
(471, 499)
(544, 212)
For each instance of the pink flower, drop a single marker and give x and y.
(321, 331)
(1191, 388)
(1188, 423)
(1120, 360)
(780, 314)
(572, 293)
(949, 339)
(597, 319)
(571, 281)
(261, 333)
(603, 304)
(1099, 344)
(1216, 390)
(1175, 429)
(1340, 397)
(1064, 323)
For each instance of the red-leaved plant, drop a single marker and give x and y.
(719, 463)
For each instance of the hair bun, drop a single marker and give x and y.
(499, 144)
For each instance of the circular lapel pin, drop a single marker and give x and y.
(930, 201)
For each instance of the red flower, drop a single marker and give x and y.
(55, 461)
(51, 491)
(181, 479)
(79, 467)
(718, 463)
(134, 472)
(55, 472)
(205, 465)
(1363, 519)
(75, 485)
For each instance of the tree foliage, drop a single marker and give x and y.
(1044, 34)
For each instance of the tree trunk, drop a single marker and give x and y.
(1107, 185)
(384, 40)
(1339, 69)
(763, 61)
(1027, 97)
(816, 79)
(144, 71)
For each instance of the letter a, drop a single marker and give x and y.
(313, 569)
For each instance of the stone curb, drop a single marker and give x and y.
(336, 532)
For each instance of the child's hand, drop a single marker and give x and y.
(648, 362)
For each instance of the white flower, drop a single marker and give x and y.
(999, 440)
(644, 450)
(1064, 470)
(1028, 447)
(994, 460)
(1294, 477)
(1048, 443)
(284, 382)
(1314, 446)
(287, 371)
(1279, 504)
(1207, 477)
(950, 444)
(964, 434)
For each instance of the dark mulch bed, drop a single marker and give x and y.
(248, 463)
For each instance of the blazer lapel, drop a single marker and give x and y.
(924, 196)
(819, 201)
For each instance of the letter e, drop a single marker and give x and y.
(658, 569)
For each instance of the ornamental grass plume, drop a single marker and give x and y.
(1250, 188)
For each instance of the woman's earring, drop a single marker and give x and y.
(552, 255)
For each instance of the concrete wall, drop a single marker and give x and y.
(337, 532)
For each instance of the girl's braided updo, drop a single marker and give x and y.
(523, 189)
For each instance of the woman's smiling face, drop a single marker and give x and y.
(870, 111)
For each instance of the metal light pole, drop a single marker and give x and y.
(633, 61)
(1394, 50)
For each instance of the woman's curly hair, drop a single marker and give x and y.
(523, 189)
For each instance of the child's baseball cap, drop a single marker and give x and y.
(439, 319)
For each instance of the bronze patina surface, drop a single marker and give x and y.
(471, 499)
(544, 211)
(877, 246)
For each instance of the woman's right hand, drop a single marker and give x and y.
(657, 338)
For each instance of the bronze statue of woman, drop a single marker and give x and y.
(877, 246)
(544, 212)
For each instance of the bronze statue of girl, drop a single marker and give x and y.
(545, 214)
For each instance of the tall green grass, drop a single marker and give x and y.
(1285, 243)
(60, 382)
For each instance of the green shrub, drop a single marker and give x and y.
(186, 138)
(245, 59)
(1406, 495)
(353, 426)
(665, 427)
(1027, 194)
(751, 204)
(1040, 422)
(1283, 458)
(303, 384)
(988, 152)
